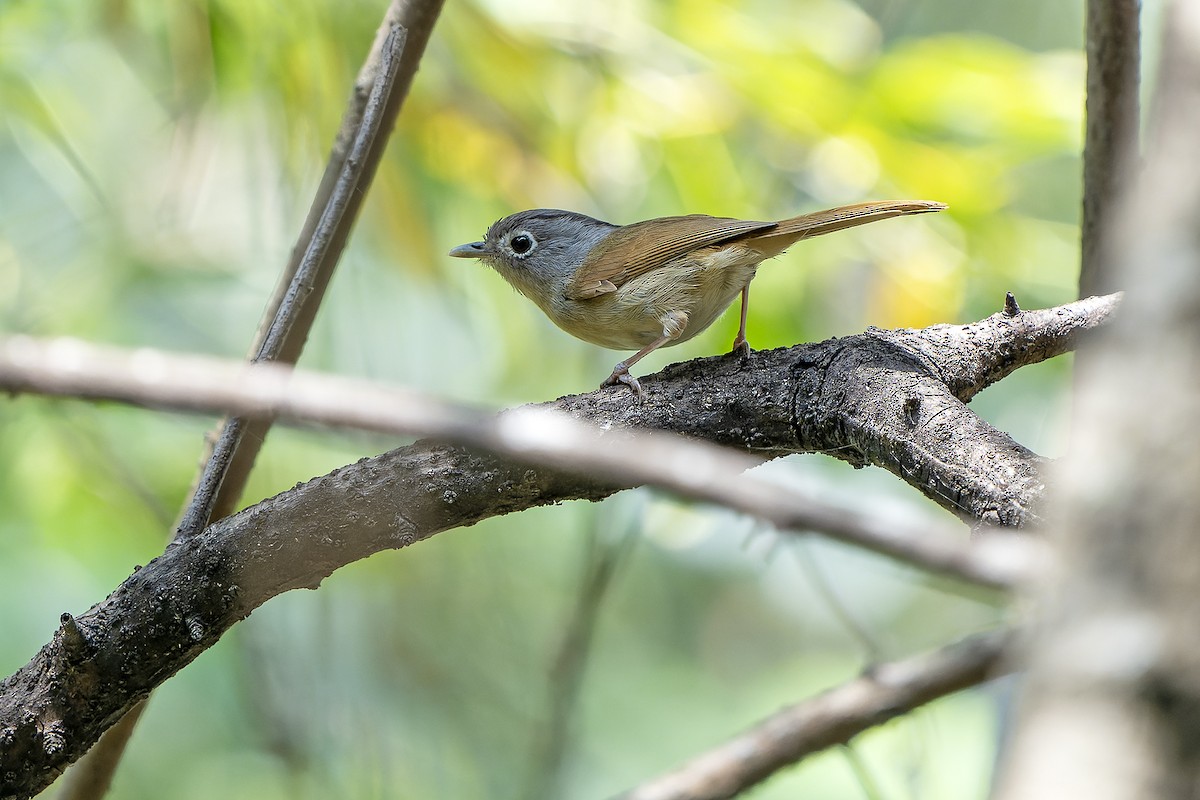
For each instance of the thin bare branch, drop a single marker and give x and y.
(829, 719)
(289, 325)
(553, 736)
(380, 89)
(1111, 135)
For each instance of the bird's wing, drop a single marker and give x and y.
(636, 249)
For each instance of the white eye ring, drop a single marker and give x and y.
(522, 243)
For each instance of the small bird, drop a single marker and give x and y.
(650, 284)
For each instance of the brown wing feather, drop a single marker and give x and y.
(643, 246)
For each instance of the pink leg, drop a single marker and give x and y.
(740, 345)
(620, 373)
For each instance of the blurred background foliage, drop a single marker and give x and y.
(156, 160)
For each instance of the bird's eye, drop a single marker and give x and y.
(523, 243)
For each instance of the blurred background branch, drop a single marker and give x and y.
(299, 294)
(553, 739)
(1110, 147)
(380, 90)
(831, 718)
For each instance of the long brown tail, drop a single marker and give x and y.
(789, 231)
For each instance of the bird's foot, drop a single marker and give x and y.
(741, 347)
(620, 374)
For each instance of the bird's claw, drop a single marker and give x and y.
(620, 376)
(740, 347)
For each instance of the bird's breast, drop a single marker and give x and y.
(700, 285)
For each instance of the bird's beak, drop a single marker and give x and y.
(472, 250)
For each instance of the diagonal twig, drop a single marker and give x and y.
(553, 736)
(416, 18)
(290, 321)
(829, 719)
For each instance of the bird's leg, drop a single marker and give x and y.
(673, 325)
(620, 373)
(740, 345)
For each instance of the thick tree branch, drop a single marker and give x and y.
(832, 718)
(891, 398)
(969, 358)
(533, 436)
(866, 398)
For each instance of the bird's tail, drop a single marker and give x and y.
(790, 231)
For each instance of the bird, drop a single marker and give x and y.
(654, 283)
